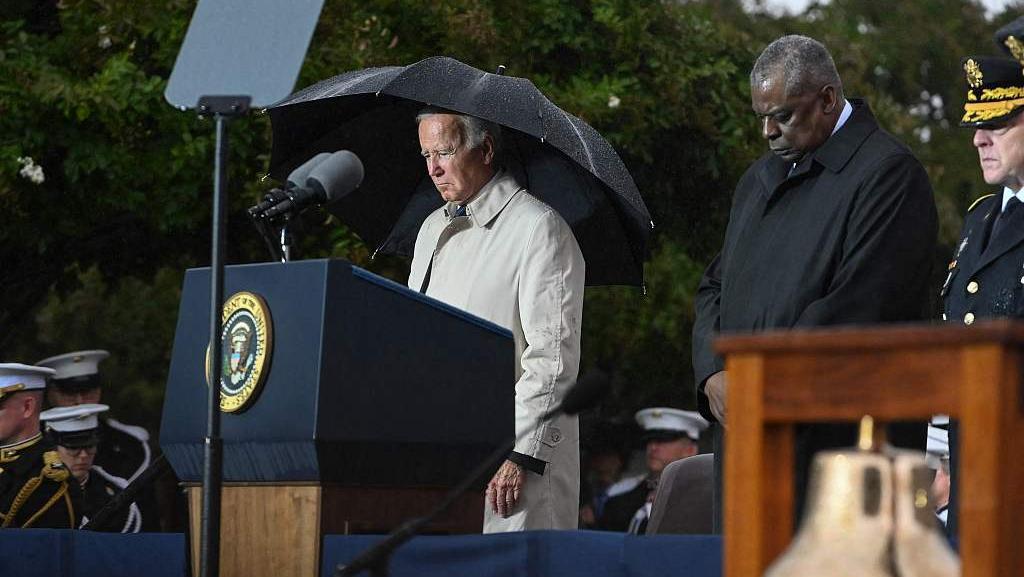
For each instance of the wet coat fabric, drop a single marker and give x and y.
(847, 238)
(513, 260)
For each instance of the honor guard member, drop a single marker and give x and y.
(75, 432)
(124, 449)
(669, 435)
(34, 483)
(985, 277)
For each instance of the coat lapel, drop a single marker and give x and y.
(1009, 235)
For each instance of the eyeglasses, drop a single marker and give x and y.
(90, 450)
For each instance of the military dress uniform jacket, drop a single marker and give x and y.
(986, 281)
(625, 498)
(35, 491)
(97, 491)
(514, 261)
(124, 452)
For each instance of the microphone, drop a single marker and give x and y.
(326, 180)
(296, 179)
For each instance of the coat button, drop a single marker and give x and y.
(968, 318)
(972, 287)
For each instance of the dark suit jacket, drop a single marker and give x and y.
(847, 238)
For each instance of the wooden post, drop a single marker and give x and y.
(907, 373)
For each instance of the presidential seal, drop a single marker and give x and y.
(246, 341)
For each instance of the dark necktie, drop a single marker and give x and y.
(461, 210)
(1011, 205)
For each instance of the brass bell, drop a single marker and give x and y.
(919, 548)
(848, 524)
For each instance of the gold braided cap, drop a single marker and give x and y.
(982, 111)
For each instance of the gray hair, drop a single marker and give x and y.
(804, 63)
(472, 130)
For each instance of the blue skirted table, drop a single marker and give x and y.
(52, 553)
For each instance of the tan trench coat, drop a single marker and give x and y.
(515, 262)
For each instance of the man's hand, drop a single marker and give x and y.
(504, 489)
(716, 390)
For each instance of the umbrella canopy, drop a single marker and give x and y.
(558, 157)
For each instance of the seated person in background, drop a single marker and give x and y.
(34, 488)
(75, 431)
(670, 435)
(605, 464)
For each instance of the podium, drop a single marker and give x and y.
(375, 399)
(974, 374)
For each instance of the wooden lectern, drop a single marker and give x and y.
(376, 400)
(974, 374)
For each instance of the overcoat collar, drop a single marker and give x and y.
(833, 154)
(490, 201)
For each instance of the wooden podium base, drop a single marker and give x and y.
(275, 529)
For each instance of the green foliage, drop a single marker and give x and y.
(92, 256)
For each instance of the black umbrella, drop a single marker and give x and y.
(557, 156)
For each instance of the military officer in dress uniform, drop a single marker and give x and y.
(986, 275)
(34, 487)
(75, 431)
(124, 449)
(669, 435)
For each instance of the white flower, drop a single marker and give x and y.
(613, 101)
(30, 170)
(104, 42)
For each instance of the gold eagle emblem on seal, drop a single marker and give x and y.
(246, 341)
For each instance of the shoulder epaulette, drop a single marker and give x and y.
(977, 202)
(53, 468)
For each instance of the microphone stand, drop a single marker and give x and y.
(156, 469)
(376, 558)
(286, 240)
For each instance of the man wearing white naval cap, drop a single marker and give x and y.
(124, 449)
(669, 435)
(75, 431)
(34, 488)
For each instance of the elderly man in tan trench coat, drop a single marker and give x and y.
(497, 252)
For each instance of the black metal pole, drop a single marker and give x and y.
(209, 554)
